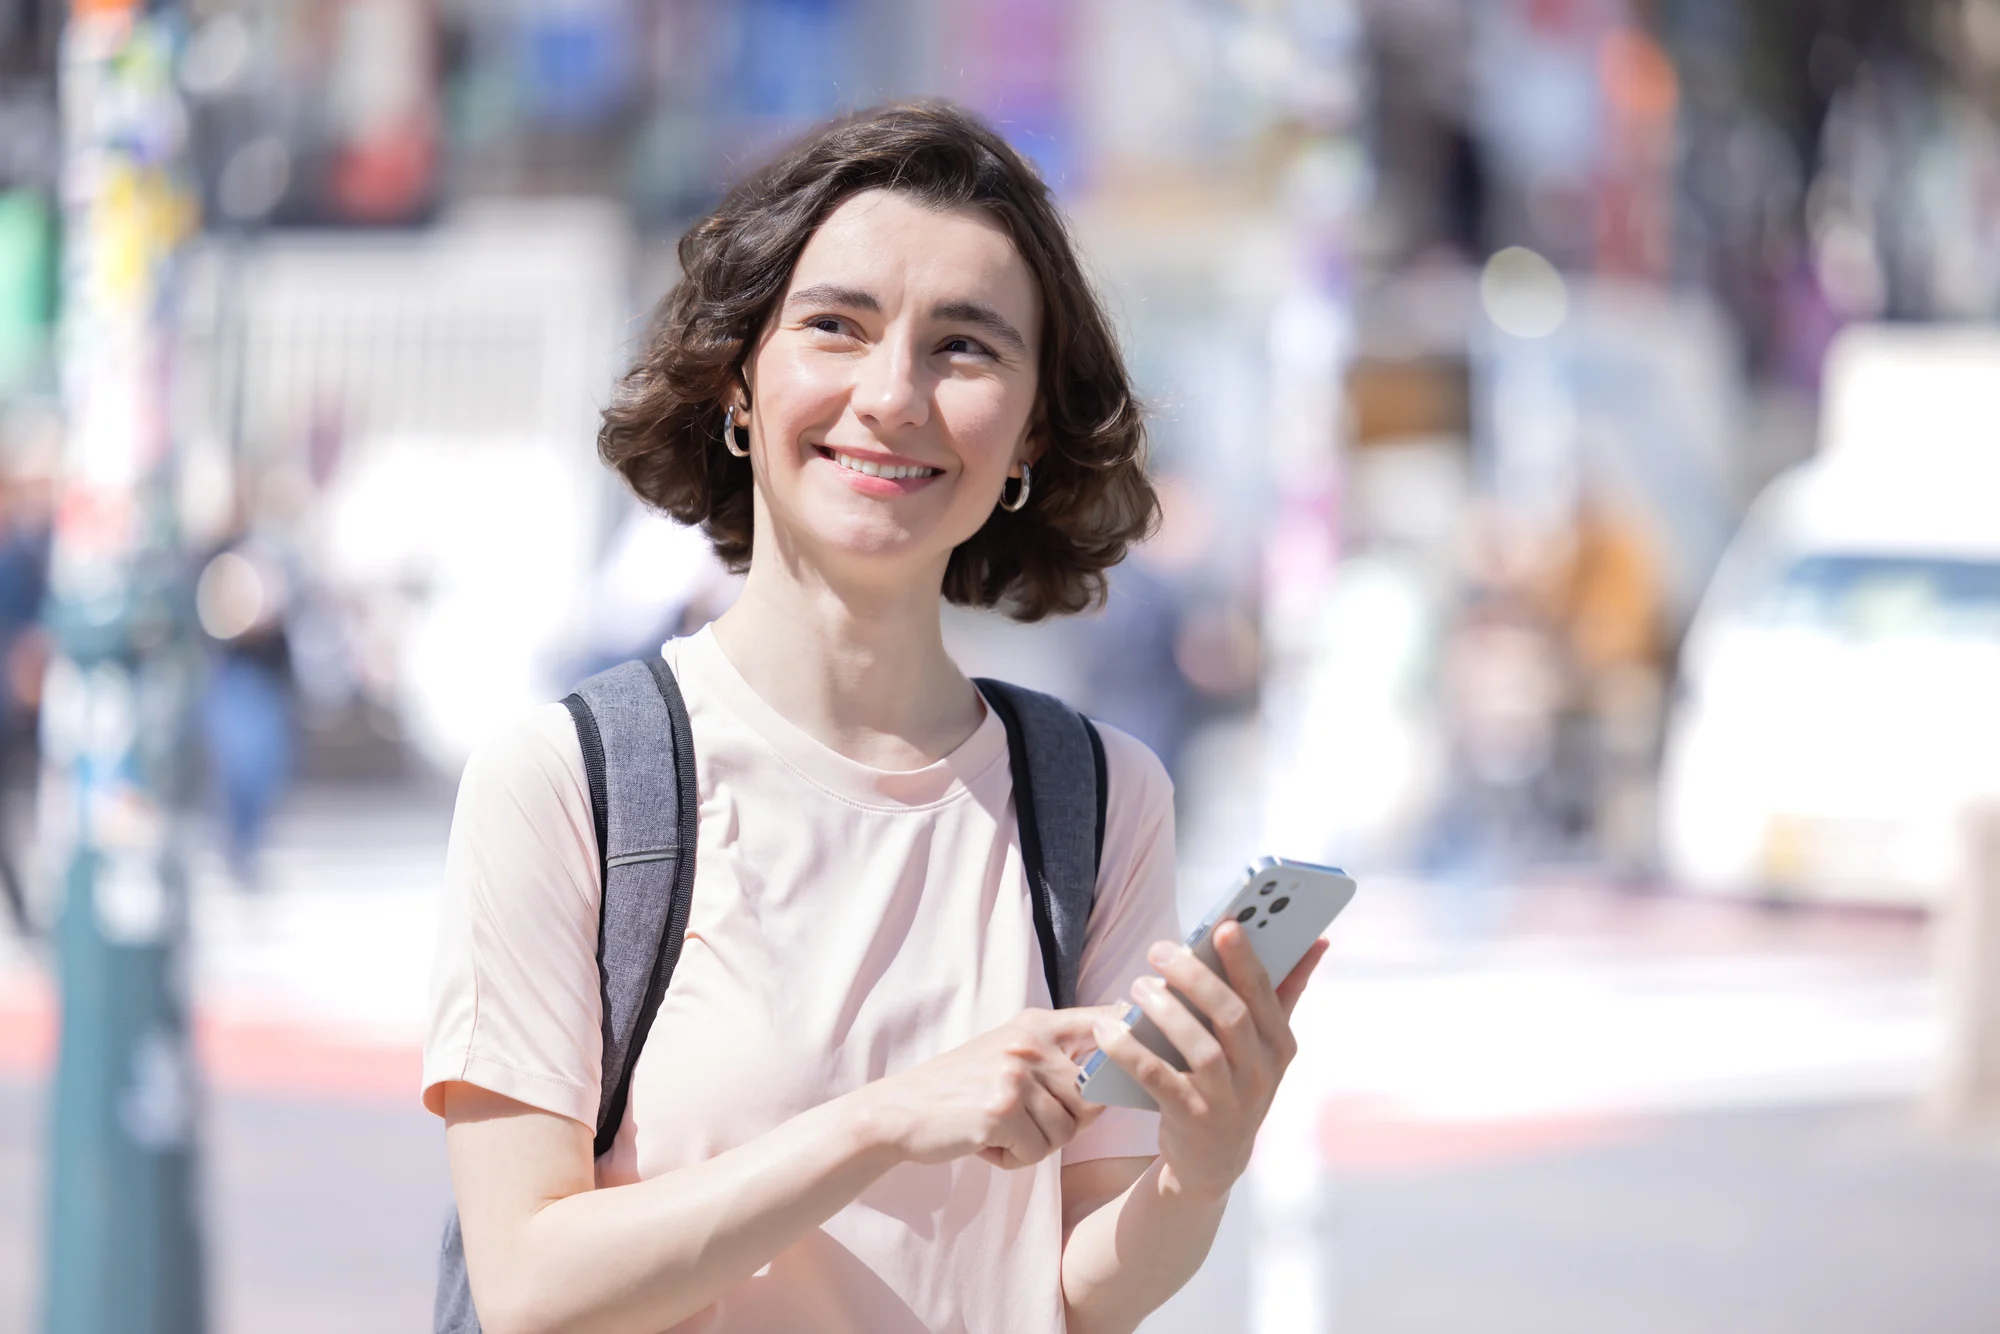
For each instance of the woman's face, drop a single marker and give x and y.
(893, 392)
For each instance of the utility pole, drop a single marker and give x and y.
(124, 1253)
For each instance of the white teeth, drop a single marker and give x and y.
(871, 469)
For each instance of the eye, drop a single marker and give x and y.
(827, 324)
(963, 346)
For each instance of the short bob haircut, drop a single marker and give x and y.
(1090, 498)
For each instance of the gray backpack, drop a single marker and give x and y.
(638, 753)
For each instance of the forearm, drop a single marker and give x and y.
(633, 1259)
(1124, 1260)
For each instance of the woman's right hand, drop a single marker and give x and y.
(1009, 1095)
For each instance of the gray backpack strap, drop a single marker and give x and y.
(1060, 794)
(638, 755)
(647, 851)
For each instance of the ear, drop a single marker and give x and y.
(1034, 444)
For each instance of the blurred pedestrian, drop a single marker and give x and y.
(1502, 689)
(24, 576)
(249, 709)
(659, 580)
(1130, 664)
(1609, 595)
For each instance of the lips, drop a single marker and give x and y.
(882, 476)
(895, 469)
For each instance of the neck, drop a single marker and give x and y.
(859, 667)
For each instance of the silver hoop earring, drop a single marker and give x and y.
(729, 434)
(1020, 497)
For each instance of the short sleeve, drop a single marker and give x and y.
(515, 1006)
(1136, 905)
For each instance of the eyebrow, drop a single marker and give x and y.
(984, 317)
(963, 312)
(833, 294)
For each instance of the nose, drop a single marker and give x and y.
(892, 392)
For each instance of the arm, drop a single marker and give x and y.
(1138, 1240)
(1129, 1254)
(547, 1252)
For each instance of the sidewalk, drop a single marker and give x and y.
(325, 1182)
(1612, 1111)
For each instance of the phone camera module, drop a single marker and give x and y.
(1247, 913)
(1278, 905)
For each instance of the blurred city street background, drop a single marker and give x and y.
(1574, 424)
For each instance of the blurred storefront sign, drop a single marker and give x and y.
(576, 59)
(789, 58)
(27, 286)
(1017, 63)
(317, 114)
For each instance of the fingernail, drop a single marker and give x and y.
(1160, 954)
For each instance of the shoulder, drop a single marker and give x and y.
(1140, 793)
(537, 749)
(524, 807)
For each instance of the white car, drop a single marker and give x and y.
(1839, 713)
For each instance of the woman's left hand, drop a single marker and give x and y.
(1209, 1115)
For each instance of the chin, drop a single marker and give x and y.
(876, 538)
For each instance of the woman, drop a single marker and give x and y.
(881, 379)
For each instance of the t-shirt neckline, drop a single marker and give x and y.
(706, 672)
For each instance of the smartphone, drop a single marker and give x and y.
(1284, 907)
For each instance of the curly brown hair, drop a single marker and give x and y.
(663, 432)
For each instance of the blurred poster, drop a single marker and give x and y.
(381, 101)
(576, 61)
(1016, 69)
(1537, 110)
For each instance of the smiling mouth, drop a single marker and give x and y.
(894, 472)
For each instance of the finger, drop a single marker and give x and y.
(1020, 1136)
(1171, 1089)
(1052, 1119)
(1059, 1077)
(1202, 1056)
(1198, 1047)
(1246, 974)
(1059, 1064)
(1295, 981)
(1072, 1029)
(1208, 993)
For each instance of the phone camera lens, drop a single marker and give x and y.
(1278, 905)
(1247, 913)
(1267, 887)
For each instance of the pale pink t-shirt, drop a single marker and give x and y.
(848, 923)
